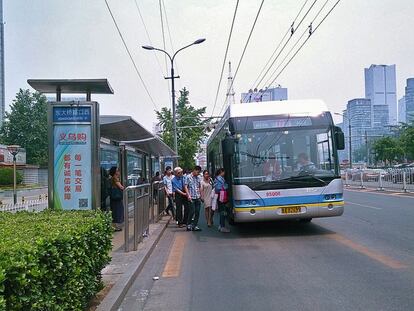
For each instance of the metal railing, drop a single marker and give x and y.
(158, 200)
(401, 179)
(28, 206)
(138, 210)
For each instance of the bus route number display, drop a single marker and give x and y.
(281, 123)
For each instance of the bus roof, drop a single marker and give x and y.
(306, 107)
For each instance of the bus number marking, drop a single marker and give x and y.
(273, 194)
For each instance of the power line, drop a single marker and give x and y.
(244, 50)
(225, 57)
(290, 30)
(148, 36)
(163, 34)
(310, 34)
(287, 42)
(169, 35)
(130, 56)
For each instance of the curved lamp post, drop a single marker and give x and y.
(172, 77)
(14, 150)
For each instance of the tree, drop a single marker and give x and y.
(191, 128)
(26, 125)
(407, 140)
(388, 149)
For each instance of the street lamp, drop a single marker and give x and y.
(349, 136)
(172, 77)
(14, 150)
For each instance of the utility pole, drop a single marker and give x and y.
(172, 77)
(230, 91)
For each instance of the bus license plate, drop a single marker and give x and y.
(291, 210)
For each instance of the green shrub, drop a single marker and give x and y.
(52, 260)
(6, 176)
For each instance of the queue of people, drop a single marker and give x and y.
(187, 194)
(191, 193)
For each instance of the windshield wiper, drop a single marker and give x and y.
(308, 175)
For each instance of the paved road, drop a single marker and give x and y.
(363, 260)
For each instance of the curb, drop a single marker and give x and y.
(115, 296)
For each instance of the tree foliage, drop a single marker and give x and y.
(191, 128)
(388, 149)
(26, 125)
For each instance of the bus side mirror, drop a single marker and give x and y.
(227, 145)
(339, 138)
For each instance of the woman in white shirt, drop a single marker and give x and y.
(206, 191)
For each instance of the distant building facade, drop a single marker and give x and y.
(359, 113)
(380, 88)
(402, 113)
(409, 100)
(270, 94)
(2, 84)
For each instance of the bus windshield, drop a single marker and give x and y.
(284, 158)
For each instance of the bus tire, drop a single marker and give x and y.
(306, 220)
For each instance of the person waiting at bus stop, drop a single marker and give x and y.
(167, 181)
(194, 185)
(181, 197)
(116, 196)
(221, 189)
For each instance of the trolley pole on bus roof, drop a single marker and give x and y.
(172, 77)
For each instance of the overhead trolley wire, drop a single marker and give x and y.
(311, 32)
(287, 42)
(130, 56)
(244, 51)
(148, 36)
(225, 56)
(291, 29)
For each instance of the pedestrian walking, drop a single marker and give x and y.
(167, 181)
(181, 197)
(116, 198)
(207, 195)
(194, 189)
(221, 189)
(154, 184)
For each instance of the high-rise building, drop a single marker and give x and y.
(402, 110)
(2, 87)
(359, 113)
(270, 94)
(380, 88)
(409, 100)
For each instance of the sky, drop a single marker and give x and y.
(51, 39)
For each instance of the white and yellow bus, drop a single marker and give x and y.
(281, 160)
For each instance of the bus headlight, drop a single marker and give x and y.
(327, 197)
(254, 202)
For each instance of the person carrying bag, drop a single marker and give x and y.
(221, 190)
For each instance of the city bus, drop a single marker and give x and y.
(280, 159)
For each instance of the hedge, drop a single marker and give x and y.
(6, 176)
(52, 260)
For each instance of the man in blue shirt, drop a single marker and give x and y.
(181, 197)
(194, 185)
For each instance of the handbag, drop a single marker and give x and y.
(214, 201)
(223, 196)
(116, 194)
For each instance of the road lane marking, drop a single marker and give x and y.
(385, 260)
(373, 191)
(172, 267)
(363, 205)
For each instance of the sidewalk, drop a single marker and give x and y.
(119, 275)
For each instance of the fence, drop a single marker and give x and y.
(381, 179)
(29, 206)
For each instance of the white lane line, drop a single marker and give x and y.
(363, 205)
